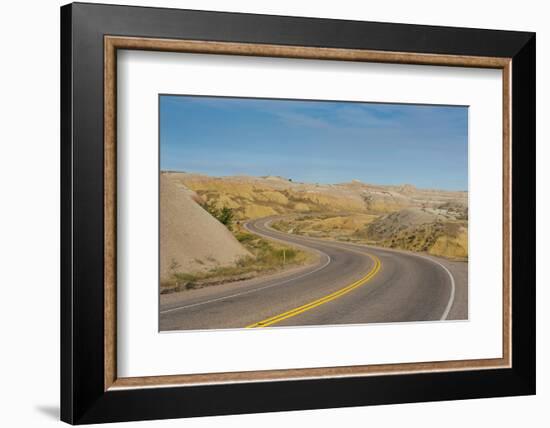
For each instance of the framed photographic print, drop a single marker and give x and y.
(265, 213)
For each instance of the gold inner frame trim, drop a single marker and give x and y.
(113, 43)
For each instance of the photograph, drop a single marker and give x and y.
(278, 210)
(283, 212)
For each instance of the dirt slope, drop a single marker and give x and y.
(190, 238)
(440, 232)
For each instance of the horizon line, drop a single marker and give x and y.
(317, 183)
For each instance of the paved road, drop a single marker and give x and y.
(348, 284)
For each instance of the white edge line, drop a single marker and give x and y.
(443, 317)
(453, 287)
(251, 291)
(452, 296)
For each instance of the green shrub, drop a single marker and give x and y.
(225, 215)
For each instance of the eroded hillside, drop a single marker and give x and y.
(190, 238)
(197, 249)
(254, 197)
(405, 217)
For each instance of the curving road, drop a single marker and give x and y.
(348, 284)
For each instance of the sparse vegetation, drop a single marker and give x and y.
(342, 226)
(266, 257)
(442, 231)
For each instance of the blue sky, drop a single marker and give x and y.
(316, 141)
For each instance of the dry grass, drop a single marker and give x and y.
(439, 232)
(254, 197)
(267, 257)
(341, 226)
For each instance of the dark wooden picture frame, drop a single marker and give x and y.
(90, 389)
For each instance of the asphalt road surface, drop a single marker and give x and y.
(348, 284)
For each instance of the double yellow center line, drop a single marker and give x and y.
(332, 296)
